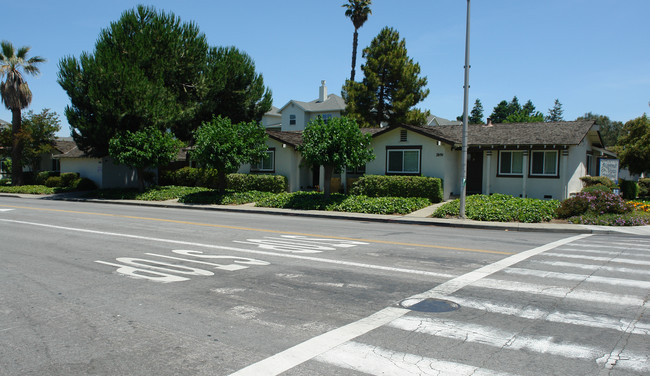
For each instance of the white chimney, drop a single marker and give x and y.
(322, 92)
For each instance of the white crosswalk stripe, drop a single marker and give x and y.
(597, 277)
(378, 361)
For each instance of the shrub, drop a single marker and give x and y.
(398, 186)
(68, 178)
(596, 202)
(588, 181)
(629, 189)
(627, 219)
(28, 189)
(4, 182)
(644, 187)
(257, 182)
(42, 176)
(501, 208)
(83, 184)
(596, 188)
(53, 181)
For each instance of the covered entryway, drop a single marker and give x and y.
(474, 172)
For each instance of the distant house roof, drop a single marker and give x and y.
(64, 144)
(332, 103)
(274, 111)
(437, 120)
(4, 124)
(509, 134)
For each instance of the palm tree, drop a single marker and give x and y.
(357, 11)
(16, 96)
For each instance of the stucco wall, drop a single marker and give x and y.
(102, 171)
(90, 168)
(437, 161)
(293, 109)
(285, 164)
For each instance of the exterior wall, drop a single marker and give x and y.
(271, 120)
(438, 161)
(117, 176)
(102, 171)
(286, 163)
(90, 168)
(301, 118)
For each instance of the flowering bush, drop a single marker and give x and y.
(641, 206)
(627, 219)
(595, 202)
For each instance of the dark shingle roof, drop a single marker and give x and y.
(293, 138)
(509, 134)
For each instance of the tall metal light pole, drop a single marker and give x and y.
(463, 182)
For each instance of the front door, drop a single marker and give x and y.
(474, 172)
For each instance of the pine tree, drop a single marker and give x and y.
(391, 86)
(476, 115)
(555, 113)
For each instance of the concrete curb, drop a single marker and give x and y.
(377, 218)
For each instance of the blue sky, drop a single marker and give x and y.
(593, 55)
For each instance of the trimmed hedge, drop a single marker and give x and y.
(629, 189)
(207, 177)
(398, 186)
(644, 187)
(588, 181)
(42, 176)
(340, 202)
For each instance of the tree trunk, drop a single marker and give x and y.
(222, 181)
(327, 182)
(17, 148)
(355, 43)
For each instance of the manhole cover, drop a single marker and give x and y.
(430, 305)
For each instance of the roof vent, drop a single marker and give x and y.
(489, 123)
(402, 136)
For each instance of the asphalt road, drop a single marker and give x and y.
(96, 289)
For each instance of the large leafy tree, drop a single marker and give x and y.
(233, 88)
(225, 146)
(334, 145)
(610, 130)
(634, 145)
(143, 149)
(357, 11)
(38, 133)
(16, 96)
(391, 86)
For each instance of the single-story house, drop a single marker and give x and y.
(537, 160)
(102, 171)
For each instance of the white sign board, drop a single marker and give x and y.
(609, 168)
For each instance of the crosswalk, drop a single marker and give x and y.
(581, 308)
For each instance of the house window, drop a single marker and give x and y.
(266, 163)
(403, 161)
(544, 163)
(292, 119)
(511, 163)
(56, 165)
(326, 118)
(590, 164)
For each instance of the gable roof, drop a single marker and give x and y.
(332, 103)
(64, 144)
(274, 111)
(508, 134)
(294, 138)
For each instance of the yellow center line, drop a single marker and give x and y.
(262, 230)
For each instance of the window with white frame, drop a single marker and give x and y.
(544, 163)
(292, 119)
(511, 162)
(266, 163)
(403, 161)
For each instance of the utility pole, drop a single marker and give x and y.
(463, 182)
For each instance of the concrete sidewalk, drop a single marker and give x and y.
(420, 217)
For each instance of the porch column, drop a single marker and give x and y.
(564, 174)
(321, 178)
(524, 179)
(488, 164)
(344, 179)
